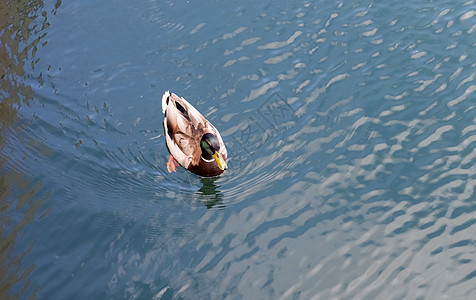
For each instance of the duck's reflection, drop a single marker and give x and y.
(210, 194)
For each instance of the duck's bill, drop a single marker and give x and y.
(220, 161)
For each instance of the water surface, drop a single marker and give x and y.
(350, 129)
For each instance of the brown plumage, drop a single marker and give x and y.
(192, 140)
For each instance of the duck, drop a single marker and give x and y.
(193, 142)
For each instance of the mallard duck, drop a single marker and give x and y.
(192, 140)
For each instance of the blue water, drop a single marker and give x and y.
(350, 128)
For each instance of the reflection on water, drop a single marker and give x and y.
(200, 191)
(21, 33)
(16, 214)
(351, 139)
(210, 194)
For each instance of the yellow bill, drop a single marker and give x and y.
(220, 161)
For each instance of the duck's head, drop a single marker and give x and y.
(210, 147)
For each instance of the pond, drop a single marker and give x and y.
(349, 126)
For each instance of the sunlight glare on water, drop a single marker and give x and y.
(349, 127)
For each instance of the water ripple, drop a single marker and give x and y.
(393, 231)
(349, 129)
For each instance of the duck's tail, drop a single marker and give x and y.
(164, 101)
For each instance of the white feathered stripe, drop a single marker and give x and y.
(164, 101)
